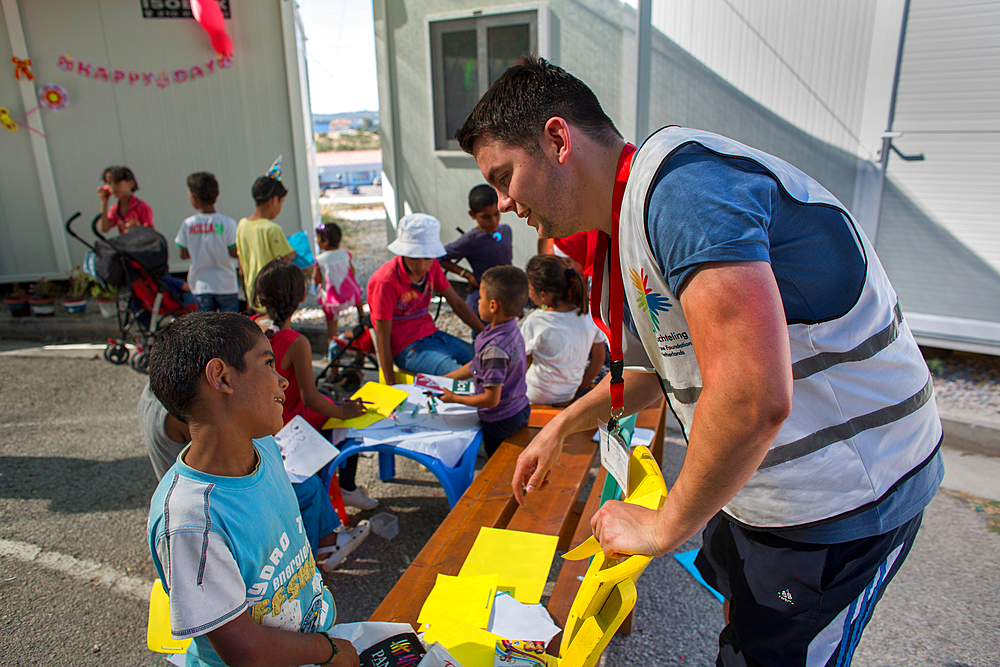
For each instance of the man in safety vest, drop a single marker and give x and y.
(746, 294)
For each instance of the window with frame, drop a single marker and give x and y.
(467, 56)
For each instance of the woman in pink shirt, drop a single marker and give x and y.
(399, 297)
(129, 211)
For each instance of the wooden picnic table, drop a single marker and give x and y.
(555, 510)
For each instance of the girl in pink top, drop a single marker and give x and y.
(129, 211)
(334, 273)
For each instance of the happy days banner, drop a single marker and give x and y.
(161, 79)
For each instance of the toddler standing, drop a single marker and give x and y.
(499, 363)
(334, 273)
(208, 239)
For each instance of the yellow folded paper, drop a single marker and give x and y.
(381, 400)
(460, 599)
(158, 637)
(589, 547)
(470, 646)
(521, 560)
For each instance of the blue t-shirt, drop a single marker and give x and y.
(223, 545)
(709, 208)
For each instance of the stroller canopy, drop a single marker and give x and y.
(144, 245)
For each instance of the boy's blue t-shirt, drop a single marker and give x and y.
(709, 208)
(222, 545)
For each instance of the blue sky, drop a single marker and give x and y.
(341, 55)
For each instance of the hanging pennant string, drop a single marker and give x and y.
(22, 67)
(33, 110)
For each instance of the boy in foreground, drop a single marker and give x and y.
(499, 365)
(224, 528)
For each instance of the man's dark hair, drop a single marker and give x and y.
(508, 285)
(204, 187)
(518, 104)
(119, 174)
(178, 359)
(279, 289)
(482, 196)
(266, 188)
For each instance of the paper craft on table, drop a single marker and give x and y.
(463, 599)
(514, 620)
(521, 560)
(436, 382)
(469, 645)
(381, 400)
(303, 449)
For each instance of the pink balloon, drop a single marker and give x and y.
(208, 14)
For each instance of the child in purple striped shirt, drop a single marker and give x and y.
(499, 365)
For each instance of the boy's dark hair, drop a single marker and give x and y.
(508, 285)
(516, 107)
(266, 188)
(204, 187)
(178, 360)
(555, 275)
(119, 174)
(279, 289)
(330, 232)
(481, 197)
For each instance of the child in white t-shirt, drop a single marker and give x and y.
(208, 239)
(559, 336)
(334, 274)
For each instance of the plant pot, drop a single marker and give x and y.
(42, 307)
(18, 307)
(109, 308)
(74, 307)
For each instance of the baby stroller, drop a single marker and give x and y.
(350, 357)
(135, 263)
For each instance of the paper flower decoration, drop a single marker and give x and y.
(53, 97)
(275, 170)
(6, 121)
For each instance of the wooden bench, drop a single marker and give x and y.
(489, 501)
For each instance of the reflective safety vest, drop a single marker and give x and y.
(863, 411)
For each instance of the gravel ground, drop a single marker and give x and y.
(966, 381)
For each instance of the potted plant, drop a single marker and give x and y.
(17, 301)
(42, 298)
(107, 300)
(75, 301)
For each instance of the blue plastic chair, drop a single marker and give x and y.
(454, 480)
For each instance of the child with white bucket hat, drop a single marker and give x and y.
(399, 296)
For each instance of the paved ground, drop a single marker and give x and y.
(74, 566)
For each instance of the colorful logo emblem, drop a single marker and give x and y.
(648, 301)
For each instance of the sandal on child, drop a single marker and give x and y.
(347, 542)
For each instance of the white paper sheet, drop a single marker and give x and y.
(514, 620)
(303, 449)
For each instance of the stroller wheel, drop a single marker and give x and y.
(349, 380)
(140, 362)
(116, 353)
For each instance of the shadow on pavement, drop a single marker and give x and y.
(76, 485)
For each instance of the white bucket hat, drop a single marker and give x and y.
(418, 237)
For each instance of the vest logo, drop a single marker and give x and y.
(649, 302)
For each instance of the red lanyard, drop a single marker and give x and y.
(616, 292)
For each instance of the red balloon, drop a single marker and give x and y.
(208, 14)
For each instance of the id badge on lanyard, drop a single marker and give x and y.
(615, 444)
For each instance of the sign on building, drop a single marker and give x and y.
(174, 9)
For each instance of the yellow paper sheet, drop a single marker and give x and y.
(460, 599)
(158, 637)
(383, 400)
(521, 560)
(470, 646)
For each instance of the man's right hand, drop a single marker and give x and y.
(533, 465)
